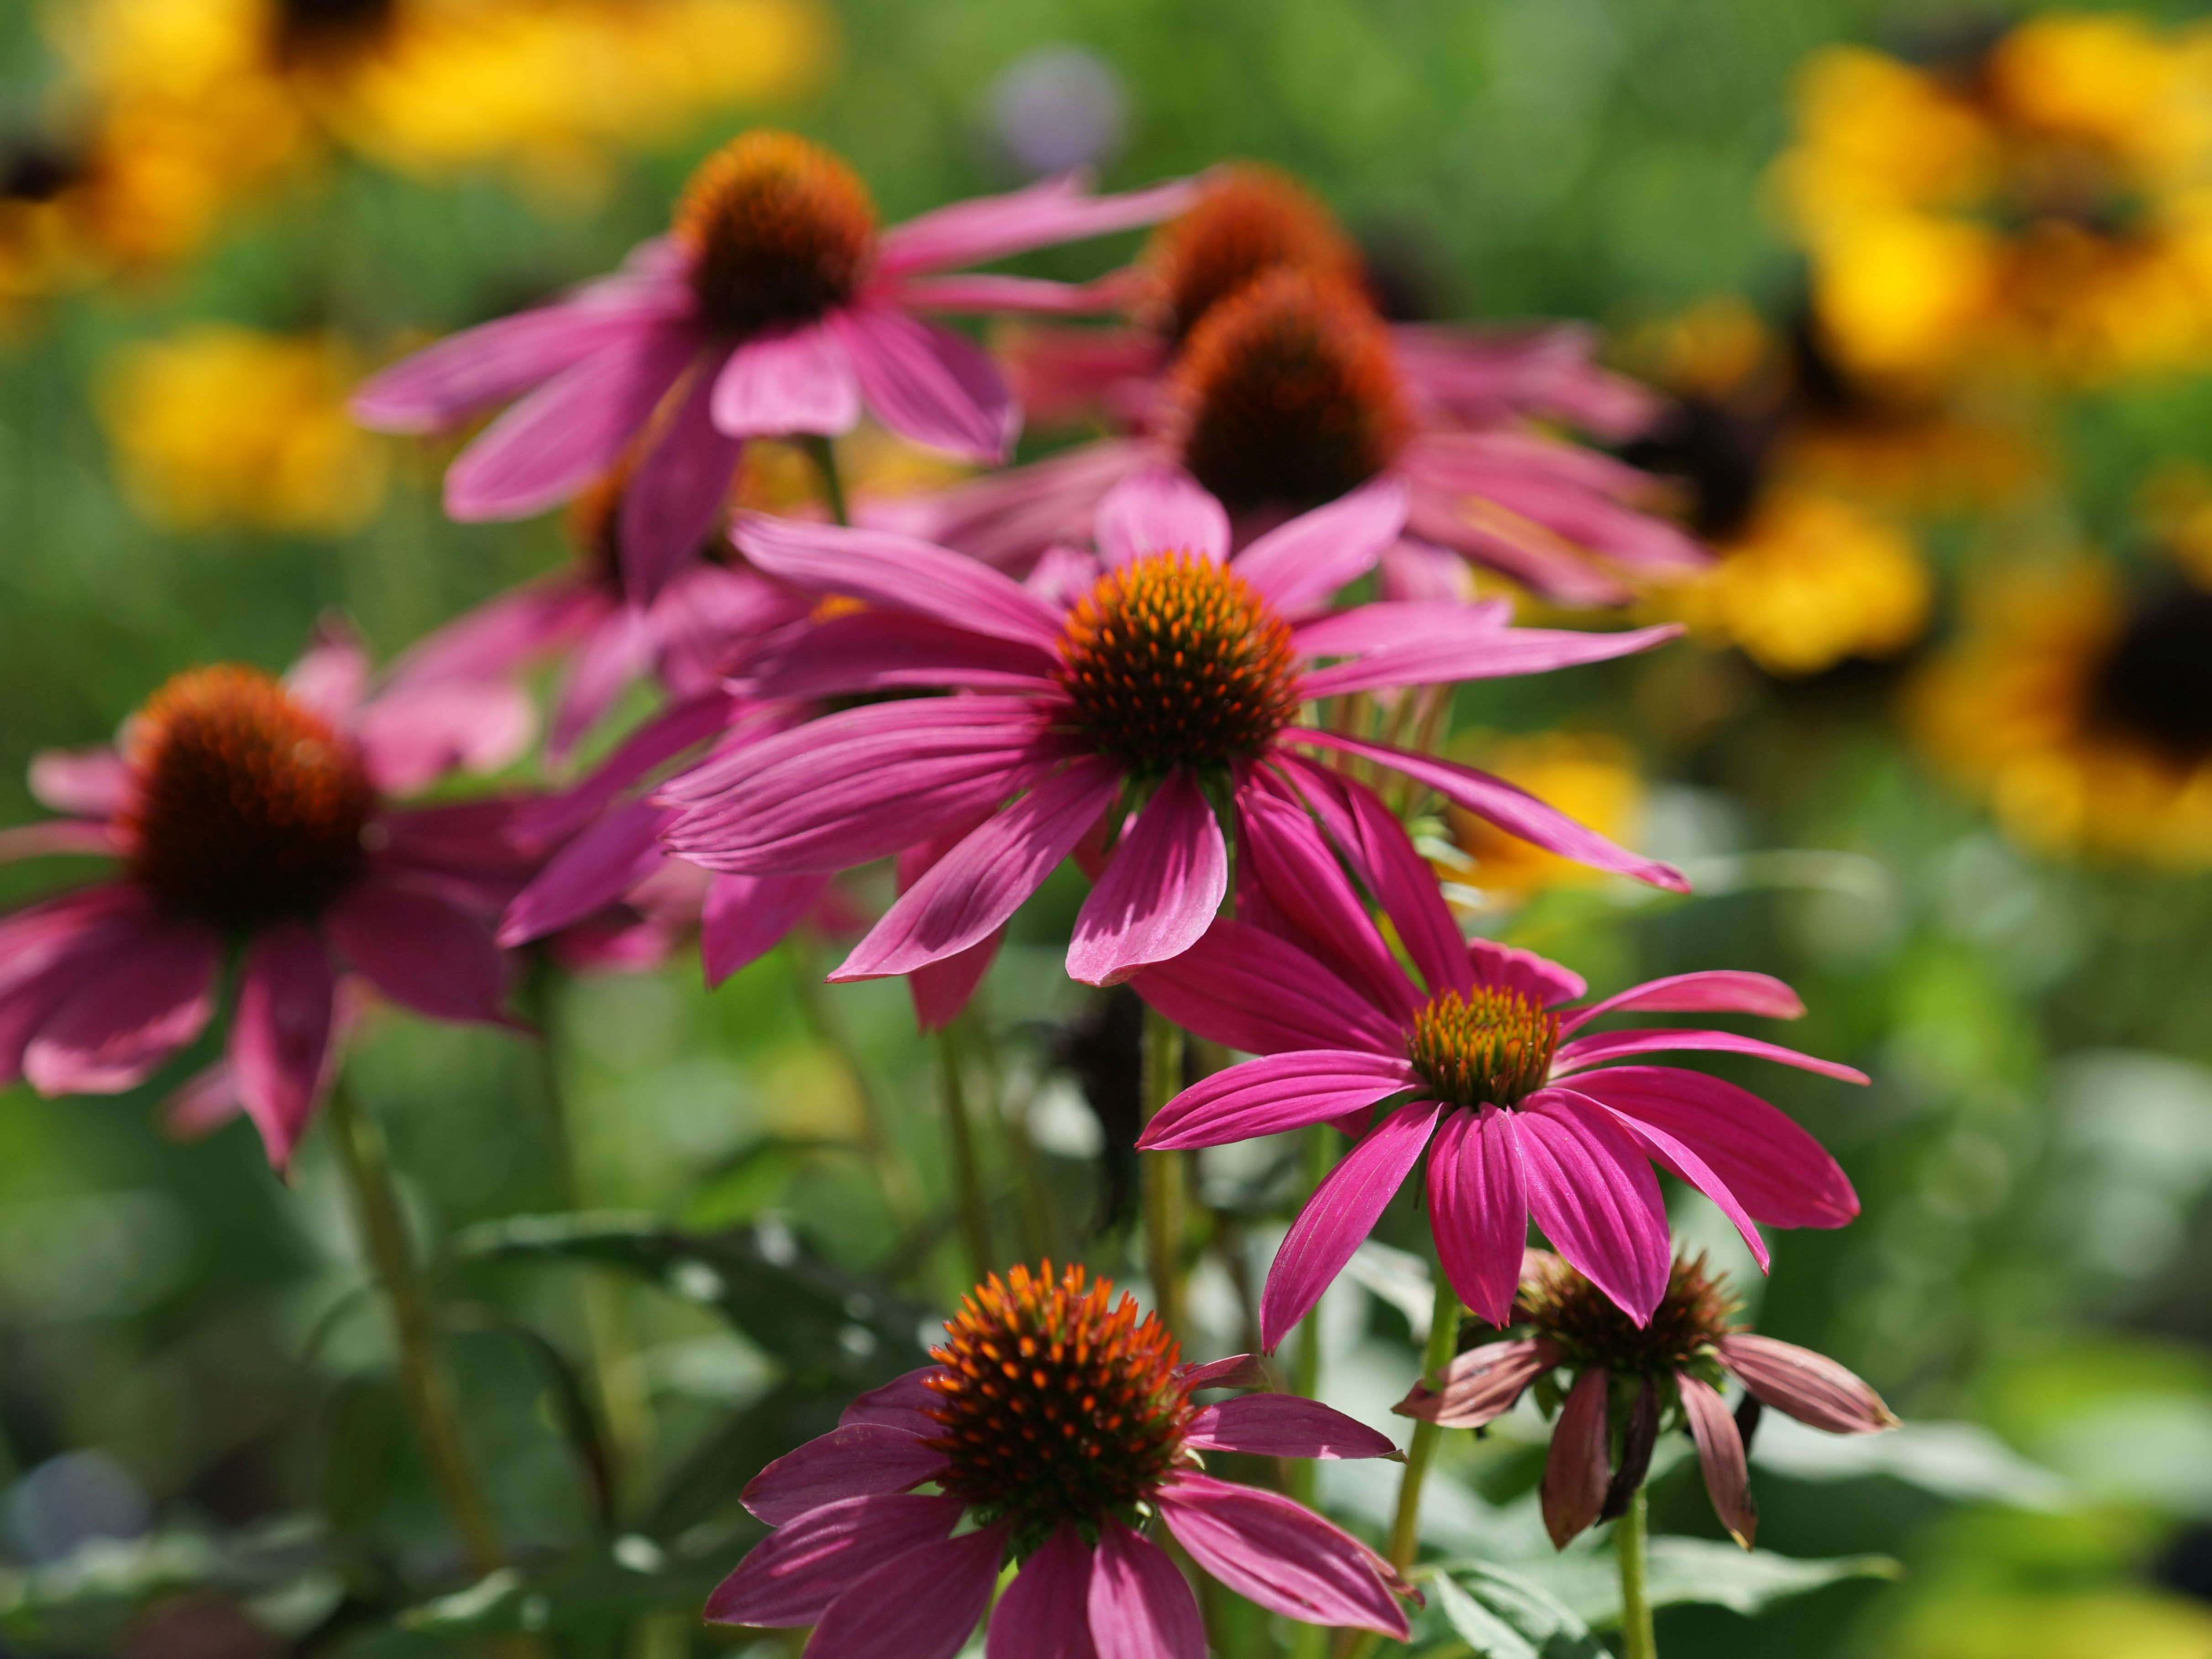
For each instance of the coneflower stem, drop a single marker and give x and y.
(967, 1176)
(425, 1385)
(1630, 1550)
(1305, 1362)
(1444, 1342)
(833, 483)
(1163, 1172)
(901, 1192)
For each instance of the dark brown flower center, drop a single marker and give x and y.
(779, 230)
(1492, 1047)
(1056, 1404)
(1560, 1303)
(2155, 684)
(249, 805)
(1250, 221)
(1286, 394)
(1176, 660)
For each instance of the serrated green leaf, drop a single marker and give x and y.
(1698, 1570)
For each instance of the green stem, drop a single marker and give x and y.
(1629, 1549)
(1163, 1172)
(901, 1193)
(1444, 1341)
(1305, 1362)
(833, 483)
(424, 1382)
(1032, 1195)
(967, 1175)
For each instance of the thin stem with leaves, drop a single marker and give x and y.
(1162, 1173)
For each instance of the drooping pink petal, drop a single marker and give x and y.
(1169, 874)
(1714, 990)
(149, 992)
(792, 1574)
(1046, 1612)
(569, 431)
(903, 1402)
(1478, 1210)
(1543, 981)
(1238, 1370)
(62, 838)
(419, 951)
(48, 949)
(1274, 1094)
(1538, 558)
(280, 1033)
(546, 823)
(674, 501)
(941, 989)
(1007, 520)
(1612, 1045)
(1300, 564)
(928, 383)
(445, 383)
(1140, 1605)
(747, 916)
(1575, 1473)
(979, 884)
(1413, 571)
(591, 872)
(1245, 988)
(1591, 1189)
(1275, 1552)
(1810, 1386)
(202, 1104)
(798, 380)
(331, 675)
(1339, 1215)
(86, 783)
(506, 632)
(871, 651)
(612, 657)
(1720, 1452)
(1160, 509)
(1488, 376)
(923, 1604)
(1586, 519)
(991, 292)
(1480, 1385)
(856, 1461)
(1053, 210)
(1284, 1426)
(1487, 653)
(1283, 850)
(1680, 1159)
(415, 734)
(1512, 809)
(1399, 624)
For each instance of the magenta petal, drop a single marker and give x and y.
(419, 951)
(903, 1402)
(1715, 991)
(858, 1461)
(793, 1576)
(1393, 624)
(445, 383)
(747, 916)
(1284, 1426)
(1055, 209)
(1478, 1210)
(674, 501)
(1591, 1189)
(872, 650)
(1479, 655)
(611, 657)
(1046, 1612)
(1284, 851)
(1247, 989)
(1341, 1213)
(1576, 1472)
(1610, 1045)
(1278, 1554)
(149, 994)
(1810, 1386)
(1678, 1157)
(1237, 1371)
(1482, 1384)
(415, 733)
(1720, 1449)
(591, 872)
(280, 1033)
(508, 633)
(86, 783)
(983, 881)
(1160, 509)
(1140, 1606)
(1298, 565)
(941, 989)
(800, 380)
(331, 675)
(921, 1605)
(930, 385)
(1276, 1093)
(1541, 981)
(1169, 875)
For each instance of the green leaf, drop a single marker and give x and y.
(748, 1180)
(1515, 1618)
(1489, 1636)
(1698, 1570)
(291, 1573)
(634, 1577)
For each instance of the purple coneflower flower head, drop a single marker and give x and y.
(774, 307)
(1161, 673)
(1479, 1056)
(1611, 1372)
(1062, 1425)
(251, 813)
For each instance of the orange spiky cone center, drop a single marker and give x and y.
(1250, 221)
(1492, 1047)
(780, 231)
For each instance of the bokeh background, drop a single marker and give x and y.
(1939, 752)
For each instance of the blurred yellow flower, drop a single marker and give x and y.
(217, 426)
(1590, 777)
(2045, 204)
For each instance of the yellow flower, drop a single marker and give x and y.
(217, 426)
(1590, 777)
(2082, 714)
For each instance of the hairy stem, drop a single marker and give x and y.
(1630, 1550)
(1163, 1172)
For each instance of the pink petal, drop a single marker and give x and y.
(416, 734)
(419, 951)
(1238, 1370)
(1400, 624)
(570, 430)
(1046, 1612)
(1341, 1213)
(85, 783)
(1591, 1189)
(904, 1402)
(800, 380)
(202, 1104)
(1481, 1385)
(993, 292)
(506, 632)
(1169, 874)
(1683, 1162)
(660, 740)
(445, 383)
(1810, 1386)
(1283, 850)
(1491, 653)
(1140, 1606)
(1247, 989)
(921, 1605)
(747, 916)
(1416, 572)
(1276, 1093)
(1478, 1210)
(793, 1576)
(1007, 518)
(1299, 565)
(613, 657)
(1541, 979)
(1282, 1426)
(1538, 559)
(148, 994)
(984, 880)
(859, 1460)
(1591, 521)
(892, 651)
(595, 869)
(280, 1034)
(1715, 991)
(941, 989)
(1612, 1045)
(1160, 509)
(1720, 1451)
(62, 838)
(1575, 1473)
(674, 502)
(1278, 1554)
(928, 383)
(331, 675)
(1053, 210)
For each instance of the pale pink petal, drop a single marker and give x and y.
(1810, 1386)
(982, 882)
(508, 633)
(799, 380)
(1488, 653)
(1282, 1426)
(1715, 991)
(1283, 850)
(1481, 1385)
(1339, 1215)
(1274, 1551)
(1575, 1473)
(1541, 979)
(1398, 624)
(1537, 558)
(1275, 1094)
(415, 734)
(1610, 1045)
(921, 1605)
(1300, 564)
(443, 385)
(1478, 1210)
(202, 1104)
(280, 1033)
(1007, 518)
(1168, 876)
(1588, 518)
(86, 783)
(147, 995)
(1046, 1612)
(1140, 1606)
(993, 292)
(1245, 988)
(747, 916)
(1591, 1189)
(1053, 210)
(872, 650)
(674, 502)
(1160, 509)
(1720, 1451)
(591, 872)
(419, 951)
(1678, 1157)
(793, 1576)
(62, 838)
(904, 1402)
(857, 1460)
(1415, 571)
(930, 385)
(331, 675)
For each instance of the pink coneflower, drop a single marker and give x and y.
(1288, 394)
(252, 813)
(1677, 1362)
(1161, 668)
(1479, 1062)
(1063, 1425)
(774, 307)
